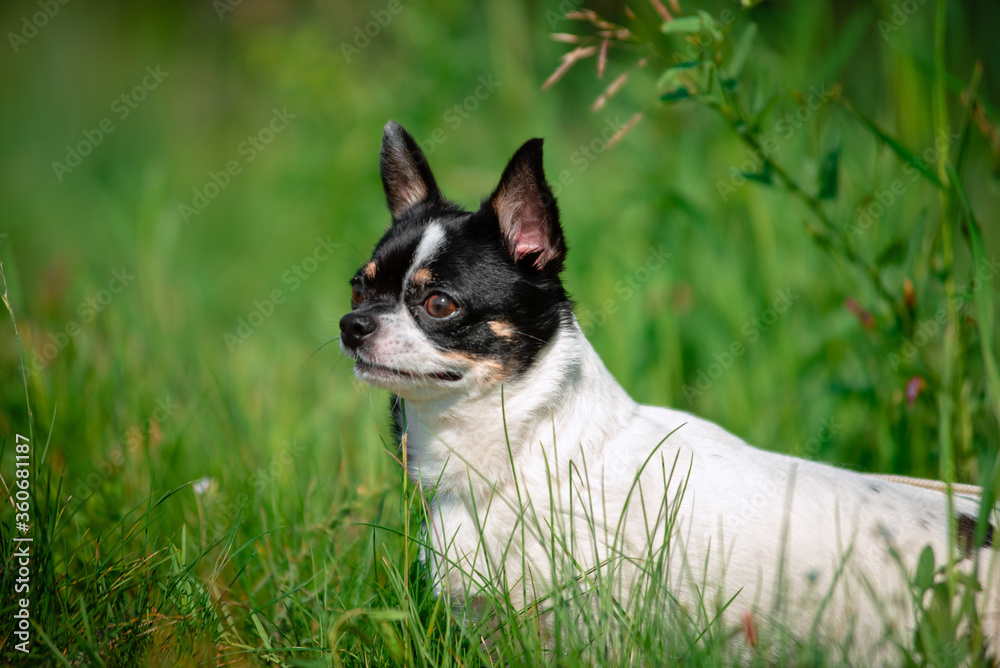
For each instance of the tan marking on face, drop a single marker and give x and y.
(485, 371)
(422, 276)
(502, 329)
(369, 270)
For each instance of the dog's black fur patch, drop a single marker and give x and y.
(474, 264)
(966, 530)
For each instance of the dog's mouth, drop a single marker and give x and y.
(378, 371)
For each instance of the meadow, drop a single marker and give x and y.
(783, 219)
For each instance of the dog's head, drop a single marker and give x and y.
(453, 300)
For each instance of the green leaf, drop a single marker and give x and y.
(265, 638)
(763, 176)
(822, 238)
(897, 147)
(711, 25)
(828, 174)
(682, 24)
(924, 577)
(893, 254)
(671, 77)
(742, 50)
(680, 93)
(763, 111)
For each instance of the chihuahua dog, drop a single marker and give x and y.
(541, 470)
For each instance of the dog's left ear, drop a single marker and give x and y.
(529, 218)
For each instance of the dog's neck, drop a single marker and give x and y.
(565, 404)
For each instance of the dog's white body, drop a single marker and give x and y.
(562, 453)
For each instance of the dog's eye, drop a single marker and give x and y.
(357, 296)
(440, 306)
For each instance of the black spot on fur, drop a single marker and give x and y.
(875, 488)
(966, 529)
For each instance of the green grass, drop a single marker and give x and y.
(299, 545)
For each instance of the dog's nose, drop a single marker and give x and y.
(354, 327)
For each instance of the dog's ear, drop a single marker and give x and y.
(406, 176)
(529, 218)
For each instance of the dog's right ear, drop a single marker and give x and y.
(406, 176)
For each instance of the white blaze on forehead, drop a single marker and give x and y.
(430, 244)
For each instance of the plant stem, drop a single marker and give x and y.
(5, 297)
(947, 394)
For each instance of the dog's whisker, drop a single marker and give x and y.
(530, 336)
(321, 346)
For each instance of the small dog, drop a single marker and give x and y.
(542, 468)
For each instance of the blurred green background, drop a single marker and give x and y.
(211, 363)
